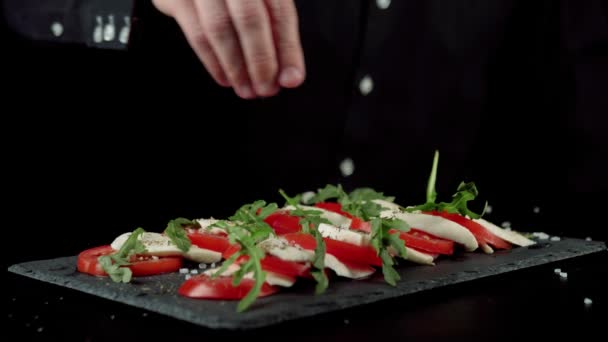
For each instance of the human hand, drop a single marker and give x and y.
(252, 46)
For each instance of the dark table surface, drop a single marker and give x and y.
(531, 302)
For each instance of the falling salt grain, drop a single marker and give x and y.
(536, 210)
(46, 303)
(346, 321)
(40, 329)
(60, 298)
(194, 271)
(183, 270)
(588, 238)
(557, 270)
(588, 302)
(145, 314)
(488, 209)
(14, 299)
(563, 275)
(506, 224)
(112, 317)
(555, 238)
(35, 317)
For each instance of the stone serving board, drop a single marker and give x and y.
(159, 293)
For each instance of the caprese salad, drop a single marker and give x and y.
(313, 237)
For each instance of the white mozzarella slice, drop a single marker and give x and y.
(160, 245)
(283, 250)
(436, 225)
(279, 279)
(387, 205)
(419, 257)
(507, 235)
(486, 248)
(347, 271)
(335, 218)
(345, 235)
(271, 277)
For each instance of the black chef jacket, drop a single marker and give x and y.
(512, 94)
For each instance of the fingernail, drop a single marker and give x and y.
(291, 77)
(266, 89)
(245, 92)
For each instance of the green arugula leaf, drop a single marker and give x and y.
(368, 194)
(466, 192)
(328, 192)
(113, 264)
(390, 274)
(177, 234)
(382, 240)
(431, 194)
(310, 221)
(225, 265)
(247, 228)
(260, 277)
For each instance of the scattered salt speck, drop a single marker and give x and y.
(10, 315)
(508, 228)
(145, 314)
(194, 271)
(489, 209)
(46, 303)
(36, 317)
(112, 317)
(588, 238)
(346, 321)
(40, 329)
(154, 257)
(536, 210)
(555, 238)
(60, 298)
(202, 266)
(587, 301)
(212, 265)
(14, 299)
(183, 270)
(188, 276)
(27, 325)
(563, 275)
(557, 270)
(506, 224)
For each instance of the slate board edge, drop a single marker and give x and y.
(150, 304)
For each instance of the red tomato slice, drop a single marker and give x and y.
(209, 241)
(283, 223)
(359, 224)
(87, 263)
(220, 288)
(333, 207)
(341, 250)
(482, 235)
(273, 264)
(425, 243)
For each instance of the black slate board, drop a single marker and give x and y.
(158, 294)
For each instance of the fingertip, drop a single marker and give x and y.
(291, 77)
(245, 92)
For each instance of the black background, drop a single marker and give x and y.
(84, 159)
